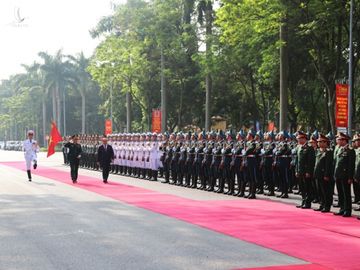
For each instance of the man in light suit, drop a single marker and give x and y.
(105, 157)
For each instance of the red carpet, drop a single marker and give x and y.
(326, 241)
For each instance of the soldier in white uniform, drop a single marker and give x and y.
(154, 157)
(30, 148)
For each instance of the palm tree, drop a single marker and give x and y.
(81, 63)
(205, 9)
(33, 80)
(58, 75)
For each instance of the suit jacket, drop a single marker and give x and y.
(104, 157)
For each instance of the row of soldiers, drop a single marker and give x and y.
(242, 165)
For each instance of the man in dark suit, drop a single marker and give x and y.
(105, 156)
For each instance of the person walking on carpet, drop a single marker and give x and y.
(105, 157)
(30, 148)
(73, 156)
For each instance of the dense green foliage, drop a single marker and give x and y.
(232, 44)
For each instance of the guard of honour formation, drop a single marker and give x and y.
(241, 164)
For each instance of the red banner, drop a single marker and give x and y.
(341, 105)
(108, 127)
(156, 121)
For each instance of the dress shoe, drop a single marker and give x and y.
(346, 214)
(290, 191)
(279, 196)
(339, 213)
(315, 201)
(251, 197)
(325, 210)
(241, 195)
(219, 190)
(260, 192)
(35, 166)
(306, 206)
(284, 196)
(105, 181)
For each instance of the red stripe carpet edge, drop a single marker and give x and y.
(324, 240)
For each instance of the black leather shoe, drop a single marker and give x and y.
(306, 206)
(284, 196)
(35, 166)
(251, 197)
(241, 195)
(346, 214)
(279, 196)
(339, 213)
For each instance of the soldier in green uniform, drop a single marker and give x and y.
(344, 173)
(356, 145)
(356, 186)
(323, 173)
(304, 167)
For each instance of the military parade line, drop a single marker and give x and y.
(240, 165)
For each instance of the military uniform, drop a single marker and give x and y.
(236, 165)
(323, 175)
(343, 174)
(304, 168)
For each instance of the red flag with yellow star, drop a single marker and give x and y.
(54, 139)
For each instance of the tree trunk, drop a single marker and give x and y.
(163, 94)
(64, 113)
(54, 106)
(58, 109)
(44, 121)
(83, 113)
(128, 108)
(284, 65)
(208, 21)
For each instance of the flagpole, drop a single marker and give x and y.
(350, 94)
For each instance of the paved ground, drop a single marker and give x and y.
(49, 225)
(52, 224)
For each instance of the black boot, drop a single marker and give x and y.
(29, 175)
